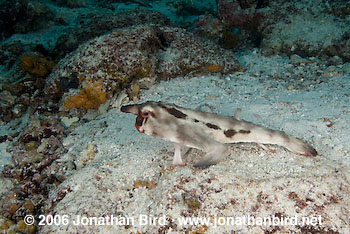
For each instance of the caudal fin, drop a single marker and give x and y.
(299, 147)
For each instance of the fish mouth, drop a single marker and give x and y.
(139, 122)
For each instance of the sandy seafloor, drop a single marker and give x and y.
(130, 174)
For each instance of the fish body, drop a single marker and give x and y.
(206, 131)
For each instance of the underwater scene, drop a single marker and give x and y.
(165, 116)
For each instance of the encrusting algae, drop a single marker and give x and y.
(36, 64)
(214, 68)
(91, 96)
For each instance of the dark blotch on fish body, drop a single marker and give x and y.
(176, 113)
(244, 131)
(213, 126)
(230, 132)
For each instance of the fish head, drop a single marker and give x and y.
(145, 115)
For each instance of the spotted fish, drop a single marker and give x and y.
(206, 131)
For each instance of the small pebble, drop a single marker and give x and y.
(28, 205)
(67, 122)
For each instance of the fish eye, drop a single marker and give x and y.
(145, 114)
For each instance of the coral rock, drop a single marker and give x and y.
(17, 16)
(114, 60)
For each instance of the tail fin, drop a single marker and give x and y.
(299, 147)
(267, 136)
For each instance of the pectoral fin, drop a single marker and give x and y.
(216, 152)
(197, 138)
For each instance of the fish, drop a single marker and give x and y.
(206, 131)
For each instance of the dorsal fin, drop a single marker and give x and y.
(237, 113)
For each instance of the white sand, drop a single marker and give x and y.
(250, 182)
